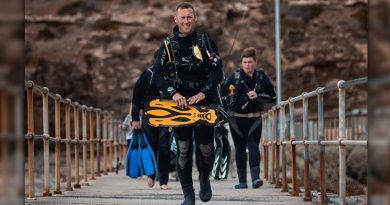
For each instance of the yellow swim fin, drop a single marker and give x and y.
(165, 113)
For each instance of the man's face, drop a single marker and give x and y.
(248, 65)
(186, 20)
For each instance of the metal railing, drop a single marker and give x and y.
(275, 119)
(11, 143)
(107, 134)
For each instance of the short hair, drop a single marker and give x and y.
(185, 5)
(249, 53)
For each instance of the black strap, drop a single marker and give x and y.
(151, 74)
(234, 125)
(256, 124)
(205, 35)
(201, 38)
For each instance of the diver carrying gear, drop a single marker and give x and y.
(245, 92)
(194, 79)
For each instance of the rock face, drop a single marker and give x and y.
(93, 51)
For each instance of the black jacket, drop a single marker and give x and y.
(239, 101)
(143, 92)
(206, 76)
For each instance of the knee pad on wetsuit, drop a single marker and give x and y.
(206, 150)
(184, 152)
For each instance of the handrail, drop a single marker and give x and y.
(11, 141)
(97, 119)
(271, 141)
(321, 90)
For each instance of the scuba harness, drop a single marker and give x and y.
(165, 113)
(202, 48)
(232, 100)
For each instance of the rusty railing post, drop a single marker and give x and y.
(326, 127)
(4, 130)
(277, 148)
(321, 137)
(111, 142)
(124, 147)
(46, 145)
(282, 115)
(118, 142)
(92, 142)
(121, 144)
(306, 157)
(342, 151)
(115, 138)
(68, 146)
(105, 125)
(76, 145)
(98, 140)
(334, 130)
(293, 150)
(58, 144)
(85, 141)
(272, 136)
(270, 147)
(264, 135)
(18, 130)
(123, 140)
(30, 133)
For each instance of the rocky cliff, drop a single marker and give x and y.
(93, 51)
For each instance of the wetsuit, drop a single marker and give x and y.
(190, 76)
(245, 122)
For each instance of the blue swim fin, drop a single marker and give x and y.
(133, 159)
(147, 158)
(127, 162)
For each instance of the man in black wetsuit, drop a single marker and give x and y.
(158, 137)
(246, 91)
(188, 69)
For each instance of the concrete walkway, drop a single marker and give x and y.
(119, 189)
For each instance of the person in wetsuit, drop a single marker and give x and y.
(245, 92)
(188, 69)
(158, 137)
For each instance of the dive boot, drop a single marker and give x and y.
(189, 196)
(241, 186)
(242, 179)
(257, 183)
(205, 192)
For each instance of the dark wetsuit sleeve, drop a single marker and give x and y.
(159, 69)
(216, 72)
(139, 96)
(267, 94)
